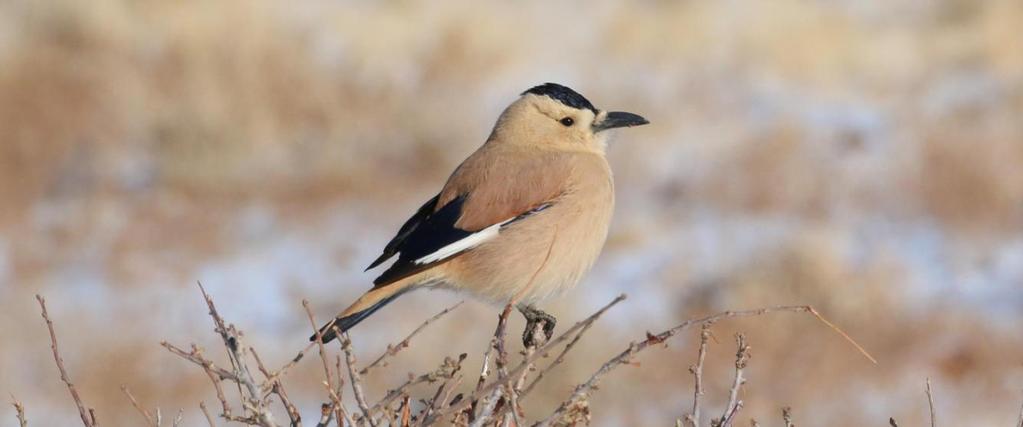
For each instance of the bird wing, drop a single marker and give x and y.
(484, 195)
(421, 216)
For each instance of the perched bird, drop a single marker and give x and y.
(522, 218)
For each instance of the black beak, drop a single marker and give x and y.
(619, 119)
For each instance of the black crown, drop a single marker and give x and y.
(563, 95)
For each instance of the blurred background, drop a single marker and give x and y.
(863, 157)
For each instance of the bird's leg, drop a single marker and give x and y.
(534, 316)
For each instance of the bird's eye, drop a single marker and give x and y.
(567, 121)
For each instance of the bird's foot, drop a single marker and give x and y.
(534, 317)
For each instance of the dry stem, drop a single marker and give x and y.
(930, 403)
(693, 418)
(134, 402)
(786, 415)
(88, 416)
(353, 375)
(332, 391)
(206, 413)
(19, 410)
(392, 350)
(742, 356)
(625, 356)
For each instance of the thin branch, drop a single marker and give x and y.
(88, 417)
(538, 338)
(447, 370)
(134, 402)
(442, 397)
(406, 412)
(501, 360)
(326, 415)
(276, 387)
(930, 404)
(835, 328)
(334, 392)
(545, 349)
(179, 418)
(243, 375)
(216, 376)
(742, 356)
(196, 357)
(353, 375)
(1019, 422)
(392, 350)
(19, 410)
(693, 418)
(206, 412)
(625, 356)
(786, 415)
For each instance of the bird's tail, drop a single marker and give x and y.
(366, 305)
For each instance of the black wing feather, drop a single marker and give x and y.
(394, 246)
(426, 232)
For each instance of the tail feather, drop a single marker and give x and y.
(366, 305)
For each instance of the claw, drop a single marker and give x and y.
(533, 317)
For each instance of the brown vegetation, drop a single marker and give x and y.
(494, 401)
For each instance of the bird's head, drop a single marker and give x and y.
(556, 117)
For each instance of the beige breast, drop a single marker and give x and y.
(548, 252)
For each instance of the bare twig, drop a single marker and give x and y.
(275, 375)
(206, 413)
(742, 356)
(501, 360)
(625, 356)
(447, 370)
(196, 356)
(1019, 422)
(515, 391)
(276, 387)
(693, 418)
(930, 404)
(543, 350)
(406, 412)
(326, 415)
(442, 397)
(236, 351)
(88, 416)
(452, 380)
(19, 411)
(838, 330)
(215, 374)
(254, 403)
(397, 348)
(134, 402)
(334, 392)
(786, 415)
(353, 375)
(487, 389)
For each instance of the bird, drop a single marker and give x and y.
(521, 219)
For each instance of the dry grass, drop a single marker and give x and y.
(496, 399)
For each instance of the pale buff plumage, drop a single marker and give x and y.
(532, 160)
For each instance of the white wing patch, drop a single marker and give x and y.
(468, 242)
(475, 239)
